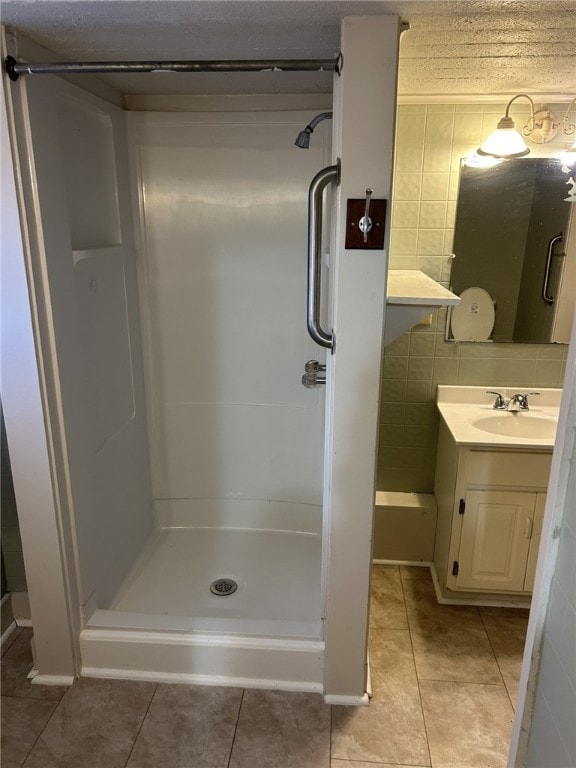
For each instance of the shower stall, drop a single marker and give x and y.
(210, 515)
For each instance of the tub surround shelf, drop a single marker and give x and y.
(411, 297)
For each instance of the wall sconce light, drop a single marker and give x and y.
(506, 142)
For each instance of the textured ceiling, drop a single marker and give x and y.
(453, 47)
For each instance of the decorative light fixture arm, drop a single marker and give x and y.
(529, 127)
(568, 128)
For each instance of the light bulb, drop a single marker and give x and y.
(504, 142)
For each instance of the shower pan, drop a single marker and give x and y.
(214, 515)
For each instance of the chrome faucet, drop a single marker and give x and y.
(519, 402)
(516, 403)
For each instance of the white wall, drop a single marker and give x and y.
(22, 387)
(552, 740)
(543, 733)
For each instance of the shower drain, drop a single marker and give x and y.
(223, 587)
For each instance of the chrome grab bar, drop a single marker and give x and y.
(326, 176)
(551, 244)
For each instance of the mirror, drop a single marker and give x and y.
(510, 240)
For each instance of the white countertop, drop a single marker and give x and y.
(461, 406)
(413, 287)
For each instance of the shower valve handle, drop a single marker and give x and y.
(311, 380)
(313, 366)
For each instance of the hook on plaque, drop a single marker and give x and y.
(365, 223)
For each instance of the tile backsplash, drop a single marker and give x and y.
(431, 140)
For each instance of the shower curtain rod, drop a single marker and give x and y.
(14, 69)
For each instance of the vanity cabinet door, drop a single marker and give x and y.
(535, 542)
(495, 540)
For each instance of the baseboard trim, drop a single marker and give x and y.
(347, 701)
(413, 563)
(7, 634)
(52, 680)
(482, 601)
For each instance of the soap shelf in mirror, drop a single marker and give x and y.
(411, 297)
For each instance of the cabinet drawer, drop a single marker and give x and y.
(503, 468)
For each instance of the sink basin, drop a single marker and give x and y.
(514, 424)
(468, 414)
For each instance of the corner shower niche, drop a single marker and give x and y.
(196, 453)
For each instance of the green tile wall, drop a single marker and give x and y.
(431, 139)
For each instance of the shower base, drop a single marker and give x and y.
(166, 624)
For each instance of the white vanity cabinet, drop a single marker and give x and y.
(490, 510)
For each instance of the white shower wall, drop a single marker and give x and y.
(82, 251)
(236, 439)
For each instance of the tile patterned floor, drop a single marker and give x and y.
(444, 683)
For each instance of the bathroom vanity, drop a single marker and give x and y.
(491, 480)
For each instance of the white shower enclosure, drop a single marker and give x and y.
(166, 259)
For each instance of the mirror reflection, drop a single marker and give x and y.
(511, 254)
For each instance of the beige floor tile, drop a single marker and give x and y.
(16, 664)
(22, 722)
(391, 655)
(468, 725)
(391, 729)
(94, 726)
(511, 613)
(356, 764)
(387, 609)
(450, 642)
(421, 600)
(421, 572)
(508, 637)
(282, 730)
(188, 726)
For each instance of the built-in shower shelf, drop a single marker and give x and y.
(412, 296)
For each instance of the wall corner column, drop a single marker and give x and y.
(364, 123)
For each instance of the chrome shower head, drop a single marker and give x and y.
(303, 140)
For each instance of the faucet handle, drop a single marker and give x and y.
(526, 398)
(500, 403)
(522, 400)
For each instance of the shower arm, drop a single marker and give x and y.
(318, 119)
